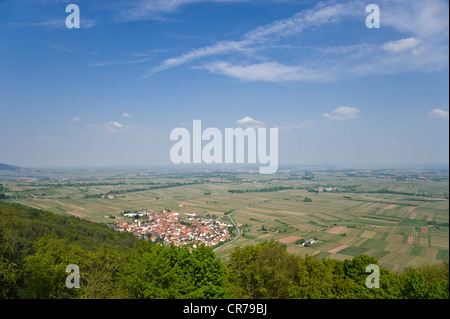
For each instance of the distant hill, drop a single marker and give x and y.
(8, 167)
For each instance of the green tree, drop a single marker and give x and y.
(427, 282)
(262, 271)
(10, 270)
(45, 270)
(321, 279)
(156, 271)
(355, 269)
(101, 274)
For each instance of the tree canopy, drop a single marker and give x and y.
(37, 246)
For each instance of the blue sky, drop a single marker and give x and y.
(109, 93)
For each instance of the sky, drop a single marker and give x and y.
(110, 92)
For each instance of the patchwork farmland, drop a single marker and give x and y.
(402, 222)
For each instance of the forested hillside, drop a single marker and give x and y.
(268, 271)
(7, 167)
(36, 246)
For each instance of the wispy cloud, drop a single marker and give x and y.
(438, 113)
(147, 53)
(272, 32)
(124, 62)
(219, 48)
(76, 119)
(266, 71)
(130, 58)
(423, 47)
(50, 23)
(115, 124)
(60, 47)
(342, 113)
(55, 23)
(152, 9)
(113, 127)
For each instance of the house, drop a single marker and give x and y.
(173, 214)
(309, 242)
(110, 196)
(133, 214)
(165, 227)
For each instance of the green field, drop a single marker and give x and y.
(401, 220)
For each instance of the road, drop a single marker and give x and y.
(230, 216)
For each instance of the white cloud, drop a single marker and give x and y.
(260, 36)
(424, 46)
(123, 62)
(151, 9)
(438, 113)
(401, 45)
(87, 23)
(218, 48)
(342, 113)
(76, 119)
(266, 71)
(116, 124)
(113, 127)
(247, 121)
(125, 114)
(51, 24)
(60, 47)
(420, 18)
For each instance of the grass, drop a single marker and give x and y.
(376, 223)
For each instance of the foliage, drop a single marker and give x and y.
(430, 282)
(261, 271)
(260, 190)
(156, 271)
(37, 246)
(266, 270)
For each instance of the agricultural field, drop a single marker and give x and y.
(398, 216)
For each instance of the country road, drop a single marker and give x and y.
(230, 216)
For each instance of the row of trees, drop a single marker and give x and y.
(260, 190)
(132, 190)
(37, 246)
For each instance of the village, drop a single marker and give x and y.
(328, 189)
(164, 227)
